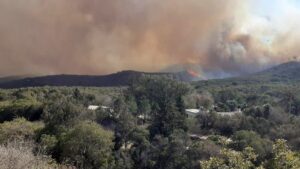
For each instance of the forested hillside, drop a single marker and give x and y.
(123, 78)
(283, 74)
(145, 125)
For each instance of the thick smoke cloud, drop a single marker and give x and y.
(104, 36)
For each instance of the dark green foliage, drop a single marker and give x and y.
(224, 125)
(131, 104)
(3, 95)
(171, 152)
(60, 115)
(140, 147)
(166, 99)
(290, 102)
(262, 111)
(125, 123)
(31, 110)
(243, 139)
(48, 143)
(201, 151)
(18, 130)
(87, 146)
(207, 120)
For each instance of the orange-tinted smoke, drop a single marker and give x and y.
(196, 74)
(104, 36)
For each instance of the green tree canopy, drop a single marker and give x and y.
(19, 130)
(87, 146)
(165, 97)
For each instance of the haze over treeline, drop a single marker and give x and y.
(103, 36)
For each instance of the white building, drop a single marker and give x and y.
(95, 107)
(192, 112)
(239, 111)
(195, 112)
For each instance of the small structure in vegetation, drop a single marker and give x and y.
(195, 112)
(95, 107)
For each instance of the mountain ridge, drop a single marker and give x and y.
(122, 78)
(285, 73)
(282, 73)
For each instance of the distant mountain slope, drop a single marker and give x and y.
(283, 73)
(286, 73)
(11, 78)
(117, 79)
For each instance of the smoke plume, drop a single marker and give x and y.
(104, 36)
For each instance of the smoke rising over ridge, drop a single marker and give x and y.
(104, 36)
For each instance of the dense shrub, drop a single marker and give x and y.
(31, 110)
(17, 155)
(242, 139)
(19, 129)
(88, 146)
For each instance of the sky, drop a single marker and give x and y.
(229, 37)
